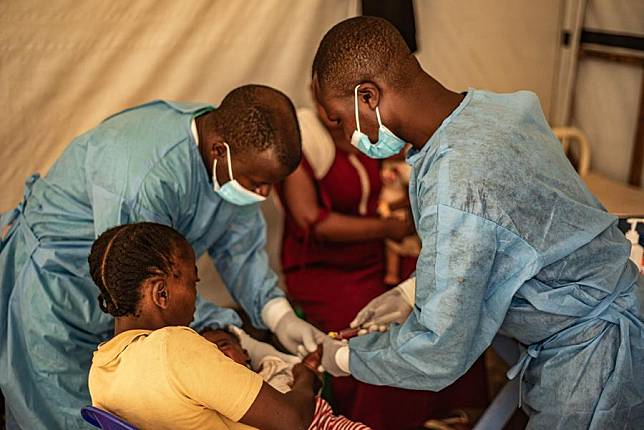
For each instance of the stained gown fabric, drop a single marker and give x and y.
(331, 282)
(513, 242)
(139, 165)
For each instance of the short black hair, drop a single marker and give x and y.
(256, 118)
(361, 49)
(123, 257)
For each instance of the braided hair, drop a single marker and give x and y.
(123, 257)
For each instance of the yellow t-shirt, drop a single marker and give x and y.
(171, 378)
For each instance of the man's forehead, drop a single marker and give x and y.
(327, 101)
(321, 94)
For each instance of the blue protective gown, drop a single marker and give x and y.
(513, 242)
(139, 165)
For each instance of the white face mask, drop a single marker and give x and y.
(232, 191)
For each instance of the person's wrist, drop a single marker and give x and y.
(308, 376)
(407, 290)
(342, 358)
(274, 311)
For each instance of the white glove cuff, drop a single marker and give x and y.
(408, 291)
(238, 332)
(274, 310)
(342, 358)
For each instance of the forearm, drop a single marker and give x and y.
(243, 266)
(302, 398)
(411, 356)
(305, 382)
(273, 410)
(345, 228)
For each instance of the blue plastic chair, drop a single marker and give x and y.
(104, 420)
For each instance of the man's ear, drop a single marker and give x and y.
(369, 93)
(160, 293)
(218, 150)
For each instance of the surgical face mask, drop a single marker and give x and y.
(232, 191)
(388, 144)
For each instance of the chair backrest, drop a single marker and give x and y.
(104, 420)
(574, 136)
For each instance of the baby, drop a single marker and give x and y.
(273, 368)
(279, 373)
(394, 202)
(158, 373)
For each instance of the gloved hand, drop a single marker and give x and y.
(294, 332)
(291, 331)
(393, 306)
(258, 350)
(335, 356)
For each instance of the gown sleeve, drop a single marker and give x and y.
(210, 316)
(462, 296)
(242, 262)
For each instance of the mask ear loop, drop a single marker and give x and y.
(355, 98)
(230, 167)
(356, 107)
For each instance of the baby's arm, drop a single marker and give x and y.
(306, 382)
(307, 374)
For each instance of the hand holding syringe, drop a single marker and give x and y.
(393, 306)
(344, 335)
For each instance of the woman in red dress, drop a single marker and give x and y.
(333, 259)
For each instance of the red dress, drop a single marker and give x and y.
(332, 281)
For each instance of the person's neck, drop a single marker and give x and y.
(435, 102)
(123, 324)
(204, 145)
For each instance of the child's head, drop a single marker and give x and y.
(145, 270)
(229, 344)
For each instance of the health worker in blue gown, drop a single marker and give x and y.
(199, 169)
(512, 242)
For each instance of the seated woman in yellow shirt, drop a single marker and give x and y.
(158, 373)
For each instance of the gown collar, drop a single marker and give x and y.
(415, 154)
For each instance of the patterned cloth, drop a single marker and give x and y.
(323, 419)
(279, 374)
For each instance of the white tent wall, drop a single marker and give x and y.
(607, 94)
(499, 45)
